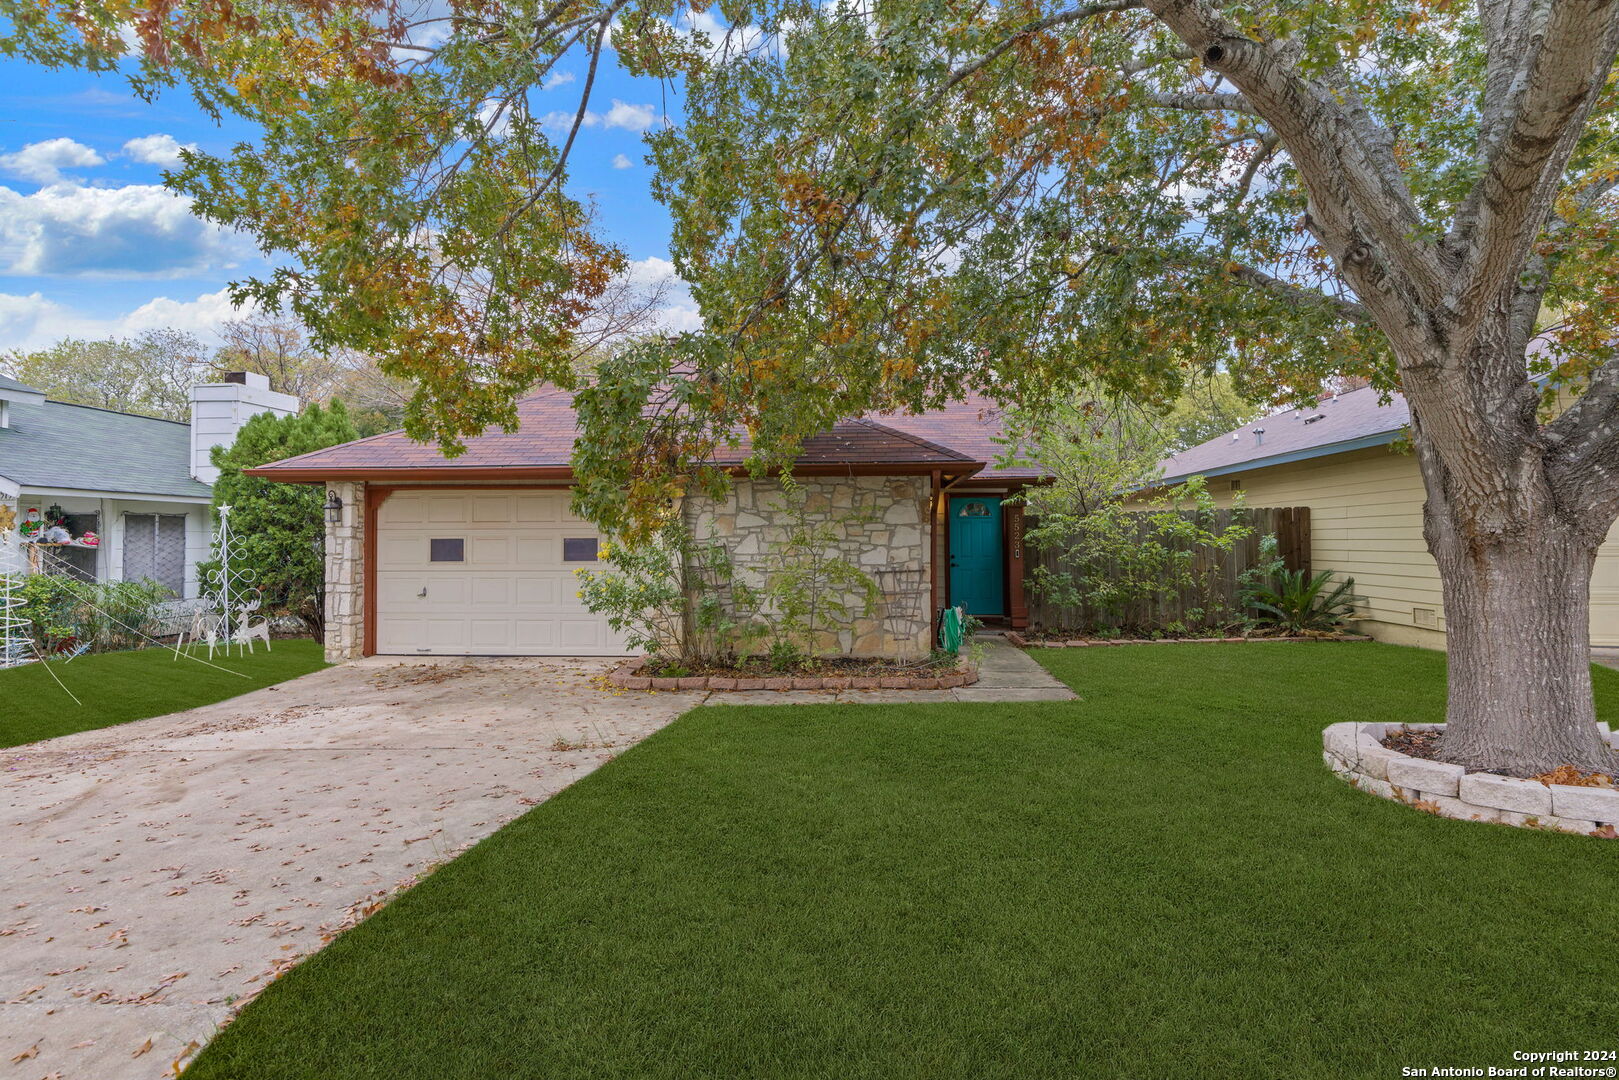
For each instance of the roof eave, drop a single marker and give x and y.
(1381, 438)
(314, 474)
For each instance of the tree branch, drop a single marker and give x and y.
(1583, 450)
(1298, 295)
(1224, 101)
(1557, 81)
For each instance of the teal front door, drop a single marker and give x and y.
(977, 565)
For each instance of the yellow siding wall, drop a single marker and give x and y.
(1366, 523)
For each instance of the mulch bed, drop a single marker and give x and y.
(1426, 744)
(1420, 744)
(836, 673)
(759, 667)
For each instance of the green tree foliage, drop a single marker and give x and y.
(1119, 554)
(280, 528)
(1209, 406)
(150, 374)
(882, 205)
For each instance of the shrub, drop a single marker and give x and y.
(1114, 559)
(684, 601)
(64, 612)
(1300, 603)
(279, 528)
(672, 597)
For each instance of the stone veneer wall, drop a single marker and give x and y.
(345, 580)
(1355, 751)
(887, 536)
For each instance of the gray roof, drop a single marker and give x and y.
(57, 445)
(8, 383)
(1348, 422)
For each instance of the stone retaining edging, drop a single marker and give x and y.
(1080, 643)
(624, 676)
(1355, 751)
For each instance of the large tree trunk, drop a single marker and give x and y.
(1518, 626)
(1516, 571)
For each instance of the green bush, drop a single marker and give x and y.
(64, 613)
(279, 528)
(1117, 558)
(682, 599)
(673, 597)
(1299, 603)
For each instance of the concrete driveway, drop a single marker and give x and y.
(157, 874)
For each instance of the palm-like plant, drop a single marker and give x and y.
(1300, 603)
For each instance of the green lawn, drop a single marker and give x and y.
(1160, 880)
(122, 686)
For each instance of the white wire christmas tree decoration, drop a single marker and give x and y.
(16, 642)
(231, 595)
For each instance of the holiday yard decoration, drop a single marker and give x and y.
(882, 205)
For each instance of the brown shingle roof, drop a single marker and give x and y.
(972, 426)
(543, 445)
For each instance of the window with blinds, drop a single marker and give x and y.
(155, 548)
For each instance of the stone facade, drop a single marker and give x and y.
(1355, 751)
(882, 527)
(345, 578)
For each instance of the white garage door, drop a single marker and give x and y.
(485, 573)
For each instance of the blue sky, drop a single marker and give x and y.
(91, 245)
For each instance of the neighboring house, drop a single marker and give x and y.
(1342, 459)
(475, 555)
(139, 484)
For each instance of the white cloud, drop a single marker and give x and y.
(43, 162)
(161, 150)
(34, 321)
(622, 115)
(630, 117)
(622, 162)
(556, 79)
(678, 312)
(138, 231)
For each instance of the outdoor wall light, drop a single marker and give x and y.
(334, 508)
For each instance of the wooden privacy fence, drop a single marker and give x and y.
(1219, 573)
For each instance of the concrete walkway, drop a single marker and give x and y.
(156, 875)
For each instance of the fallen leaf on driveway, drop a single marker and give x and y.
(32, 1051)
(142, 1048)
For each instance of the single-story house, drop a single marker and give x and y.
(1343, 458)
(131, 492)
(475, 555)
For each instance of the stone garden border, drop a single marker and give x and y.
(624, 676)
(1080, 643)
(1355, 751)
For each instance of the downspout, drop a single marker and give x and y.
(941, 530)
(933, 545)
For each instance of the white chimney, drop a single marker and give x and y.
(218, 411)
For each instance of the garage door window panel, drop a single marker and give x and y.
(579, 549)
(447, 549)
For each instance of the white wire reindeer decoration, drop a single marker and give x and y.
(232, 599)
